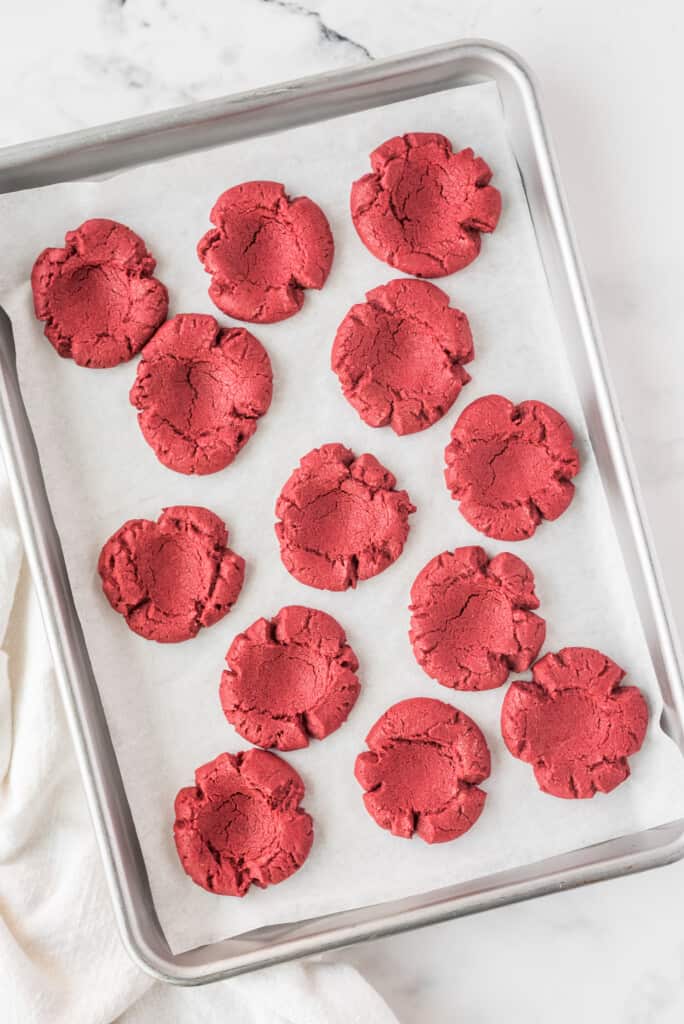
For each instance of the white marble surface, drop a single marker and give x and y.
(611, 75)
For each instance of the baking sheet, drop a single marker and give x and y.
(162, 701)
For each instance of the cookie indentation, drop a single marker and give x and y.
(97, 295)
(399, 355)
(510, 466)
(471, 621)
(289, 678)
(422, 771)
(423, 207)
(264, 251)
(170, 578)
(341, 519)
(574, 723)
(241, 823)
(200, 391)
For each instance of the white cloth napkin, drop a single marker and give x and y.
(61, 960)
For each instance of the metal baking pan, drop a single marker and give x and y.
(202, 125)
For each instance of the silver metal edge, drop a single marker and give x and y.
(146, 949)
(620, 452)
(202, 125)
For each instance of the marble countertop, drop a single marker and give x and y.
(610, 78)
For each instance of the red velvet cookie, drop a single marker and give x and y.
(471, 622)
(97, 295)
(574, 723)
(423, 207)
(423, 770)
(510, 466)
(170, 578)
(341, 520)
(289, 678)
(241, 823)
(199, 391)
(399, 355)
(264, 251)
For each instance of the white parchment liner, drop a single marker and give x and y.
(161, 701)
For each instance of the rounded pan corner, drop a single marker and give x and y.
(158, 965)
(200, 966)
(503, 55)
(194, 968)
(497, 57)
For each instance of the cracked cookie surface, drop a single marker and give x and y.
(199, 391)
(264, 251)
(241, 823)
(399, 355)
(340, 518)
(97, 295)
(422, 771)
(510, 466)
(423, 206)
(289, 678)
(471, 618)
(574, 723)
(170, 578)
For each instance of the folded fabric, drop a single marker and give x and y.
(61, 959)
(298, 993)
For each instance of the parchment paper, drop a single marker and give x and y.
(161, 701)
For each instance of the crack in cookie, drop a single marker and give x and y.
(264, 251)
(340, 518)
(399, 356)
(241, 823)
(289, 678)
(574, 723)
(97, 295)
(422, 772)
(510, 466)
(170, 578)
(423, 207)
(199, 391)
(471, 618)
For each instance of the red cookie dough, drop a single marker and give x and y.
(97, 295)
(289, 678)
(423, 770)
(575, 724)
(264, 251)
(241, 823)
(510, 466)
(424, 206)
(199, 391)
(400, 355)
(341, 520)
(471, 622)
(170, 578)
